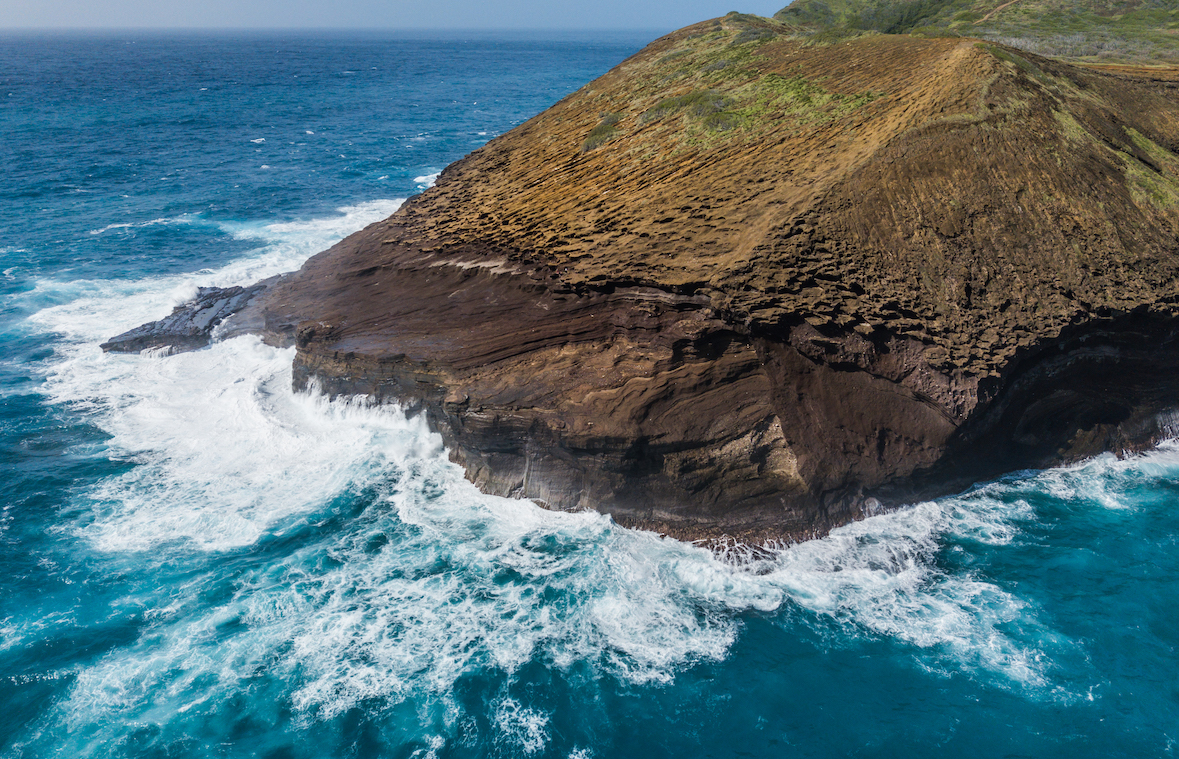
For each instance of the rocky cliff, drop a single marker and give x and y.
(745, 284)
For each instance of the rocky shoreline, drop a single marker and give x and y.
(215, 313)
(792, 302)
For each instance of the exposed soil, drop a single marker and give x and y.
(1137, 72)
(996, 10)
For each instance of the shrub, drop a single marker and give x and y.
(699, 104)
(602, 133)
(674, 54)
(749, 36)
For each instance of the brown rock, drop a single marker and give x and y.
(776, 292)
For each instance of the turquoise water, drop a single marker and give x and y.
(200, 563)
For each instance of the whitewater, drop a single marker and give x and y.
(202, 562)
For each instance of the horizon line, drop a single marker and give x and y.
(455, 30)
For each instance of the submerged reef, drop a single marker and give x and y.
(755, 285)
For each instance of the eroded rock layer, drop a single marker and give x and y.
(744, 285)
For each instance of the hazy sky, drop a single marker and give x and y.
(372, 14)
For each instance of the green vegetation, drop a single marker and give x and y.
(886, 16)
(1147, 186)
(765, 100)
(1142, 31)
(1021, 63)
(605, 131)
(712, 88)
(699, 105)
(733, 94)
(1157, 184)
(796, 97)
(1070, 127)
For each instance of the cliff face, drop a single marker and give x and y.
(744, 285)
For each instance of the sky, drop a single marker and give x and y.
(370, 14)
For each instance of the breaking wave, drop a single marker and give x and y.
(334, 558)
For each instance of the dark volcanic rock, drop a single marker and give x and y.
(773, 307)
(190, 325)
(743, 285)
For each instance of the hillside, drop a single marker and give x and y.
(1138, 31)
(750, 284)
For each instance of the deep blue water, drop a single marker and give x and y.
(197, 562)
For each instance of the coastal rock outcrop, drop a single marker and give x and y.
(192, 324)
(748, 285)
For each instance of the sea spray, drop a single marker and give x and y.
(321, 557)
(200, 563)
(422, 581)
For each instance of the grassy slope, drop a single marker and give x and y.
(1139, 31)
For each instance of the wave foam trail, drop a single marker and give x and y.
(428, 582)
(882, 575)
(89, 311)
(334, 556)
(432, 582)
(1104, 481)
(213, 432)
(163, 221)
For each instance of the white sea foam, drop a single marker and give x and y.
(427, 180)
(1101, 481)
(433, 580)
(409, 600)
(881, 575)
(10, 634)
(90, 311)
(436, 744)
(296, 240)
(163, 221)
(225, 451)
(210, 430)
(10, 274)
(523, 730)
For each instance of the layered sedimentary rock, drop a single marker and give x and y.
(747, 285)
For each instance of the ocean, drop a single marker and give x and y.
(197, 562)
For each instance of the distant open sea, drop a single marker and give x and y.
(196, 562)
